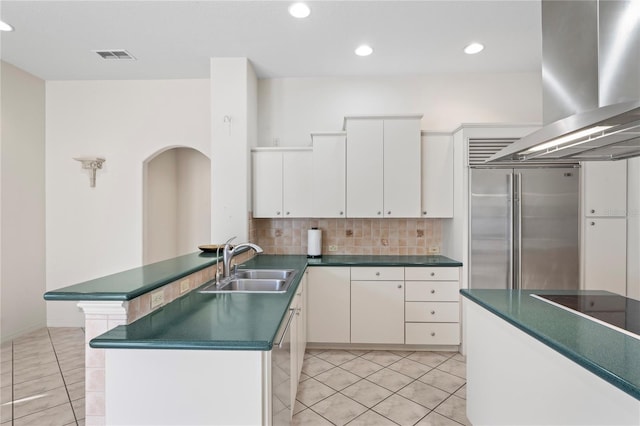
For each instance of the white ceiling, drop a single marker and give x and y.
(54, 40)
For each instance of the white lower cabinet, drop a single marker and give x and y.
(432, 306)
(384, 305)
(432, 333)
(298, 336)
(328, 298)
(605, 255)
(377, 312)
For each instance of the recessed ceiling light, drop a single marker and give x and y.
(299, 10)
(5, 27)
(473, 48)
(364, 50)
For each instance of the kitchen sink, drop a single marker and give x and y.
(253, 281)
(280, 274)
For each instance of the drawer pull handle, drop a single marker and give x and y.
(433, 274)
(399, 285)
(377, 274)
(433, 334)
(593, 211)
(433, 291)
(592, 223)
(433, 312)
(389, 212)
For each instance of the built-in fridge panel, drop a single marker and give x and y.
(524, 228)
(490, 228)
(547, 203)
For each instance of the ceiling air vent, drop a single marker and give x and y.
(114, 54)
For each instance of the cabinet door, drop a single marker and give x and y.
(296, 184)
(437, 175)
(605, 255)
(328, 298)
(605, 188)
(301, 321)
(377, 312)
(329, 176)
(364, 168)
(402, 168)
(267, 184)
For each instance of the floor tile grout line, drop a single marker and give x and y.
(64, 381)
(431, 368)
(13, 382)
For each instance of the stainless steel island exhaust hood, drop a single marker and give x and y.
(591, 84)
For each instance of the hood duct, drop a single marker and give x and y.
(591, 84)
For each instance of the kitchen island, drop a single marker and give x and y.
(215, 349)
(532, 362)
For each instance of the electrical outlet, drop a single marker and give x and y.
(333, 248)
(157, 299)
(184, 286)
(434, 250)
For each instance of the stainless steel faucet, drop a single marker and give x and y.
(228, 253)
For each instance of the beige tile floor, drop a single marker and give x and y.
(341, 387)
(42, 383)
(42, 379)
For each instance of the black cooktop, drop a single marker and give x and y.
(615, 310)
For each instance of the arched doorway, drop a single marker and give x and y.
(177, 203)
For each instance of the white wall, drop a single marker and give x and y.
(22, 205)
(194, 200)
(93, 232)
(177, 210)
(160, 220)
(233, 133)
(291, 108)
(633, 228)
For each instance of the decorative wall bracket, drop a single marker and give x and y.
(93, 164)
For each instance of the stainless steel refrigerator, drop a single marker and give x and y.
(524, 228)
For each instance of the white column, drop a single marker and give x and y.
(233, 133)
(100, 317)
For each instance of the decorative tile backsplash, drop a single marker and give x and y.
(349, 236)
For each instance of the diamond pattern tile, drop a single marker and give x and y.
(337, 387)
(45, 376)
(378, 388)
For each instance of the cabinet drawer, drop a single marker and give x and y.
(432, 274)
(421, 333)
(432, 291)
(377, 274)
(432, 311)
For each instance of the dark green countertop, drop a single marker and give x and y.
(365, 260)
(130, 284)
(608, 353)
(212, 321)
(235, 321)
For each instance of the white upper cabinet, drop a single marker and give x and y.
(437, 175)
(402, 167)
(329, 174)
(282, 182)
(267, 184)
(383, 166)
(365, 173)
(605, 188)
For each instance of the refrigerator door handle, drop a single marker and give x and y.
(518, 219)
(510, 201)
